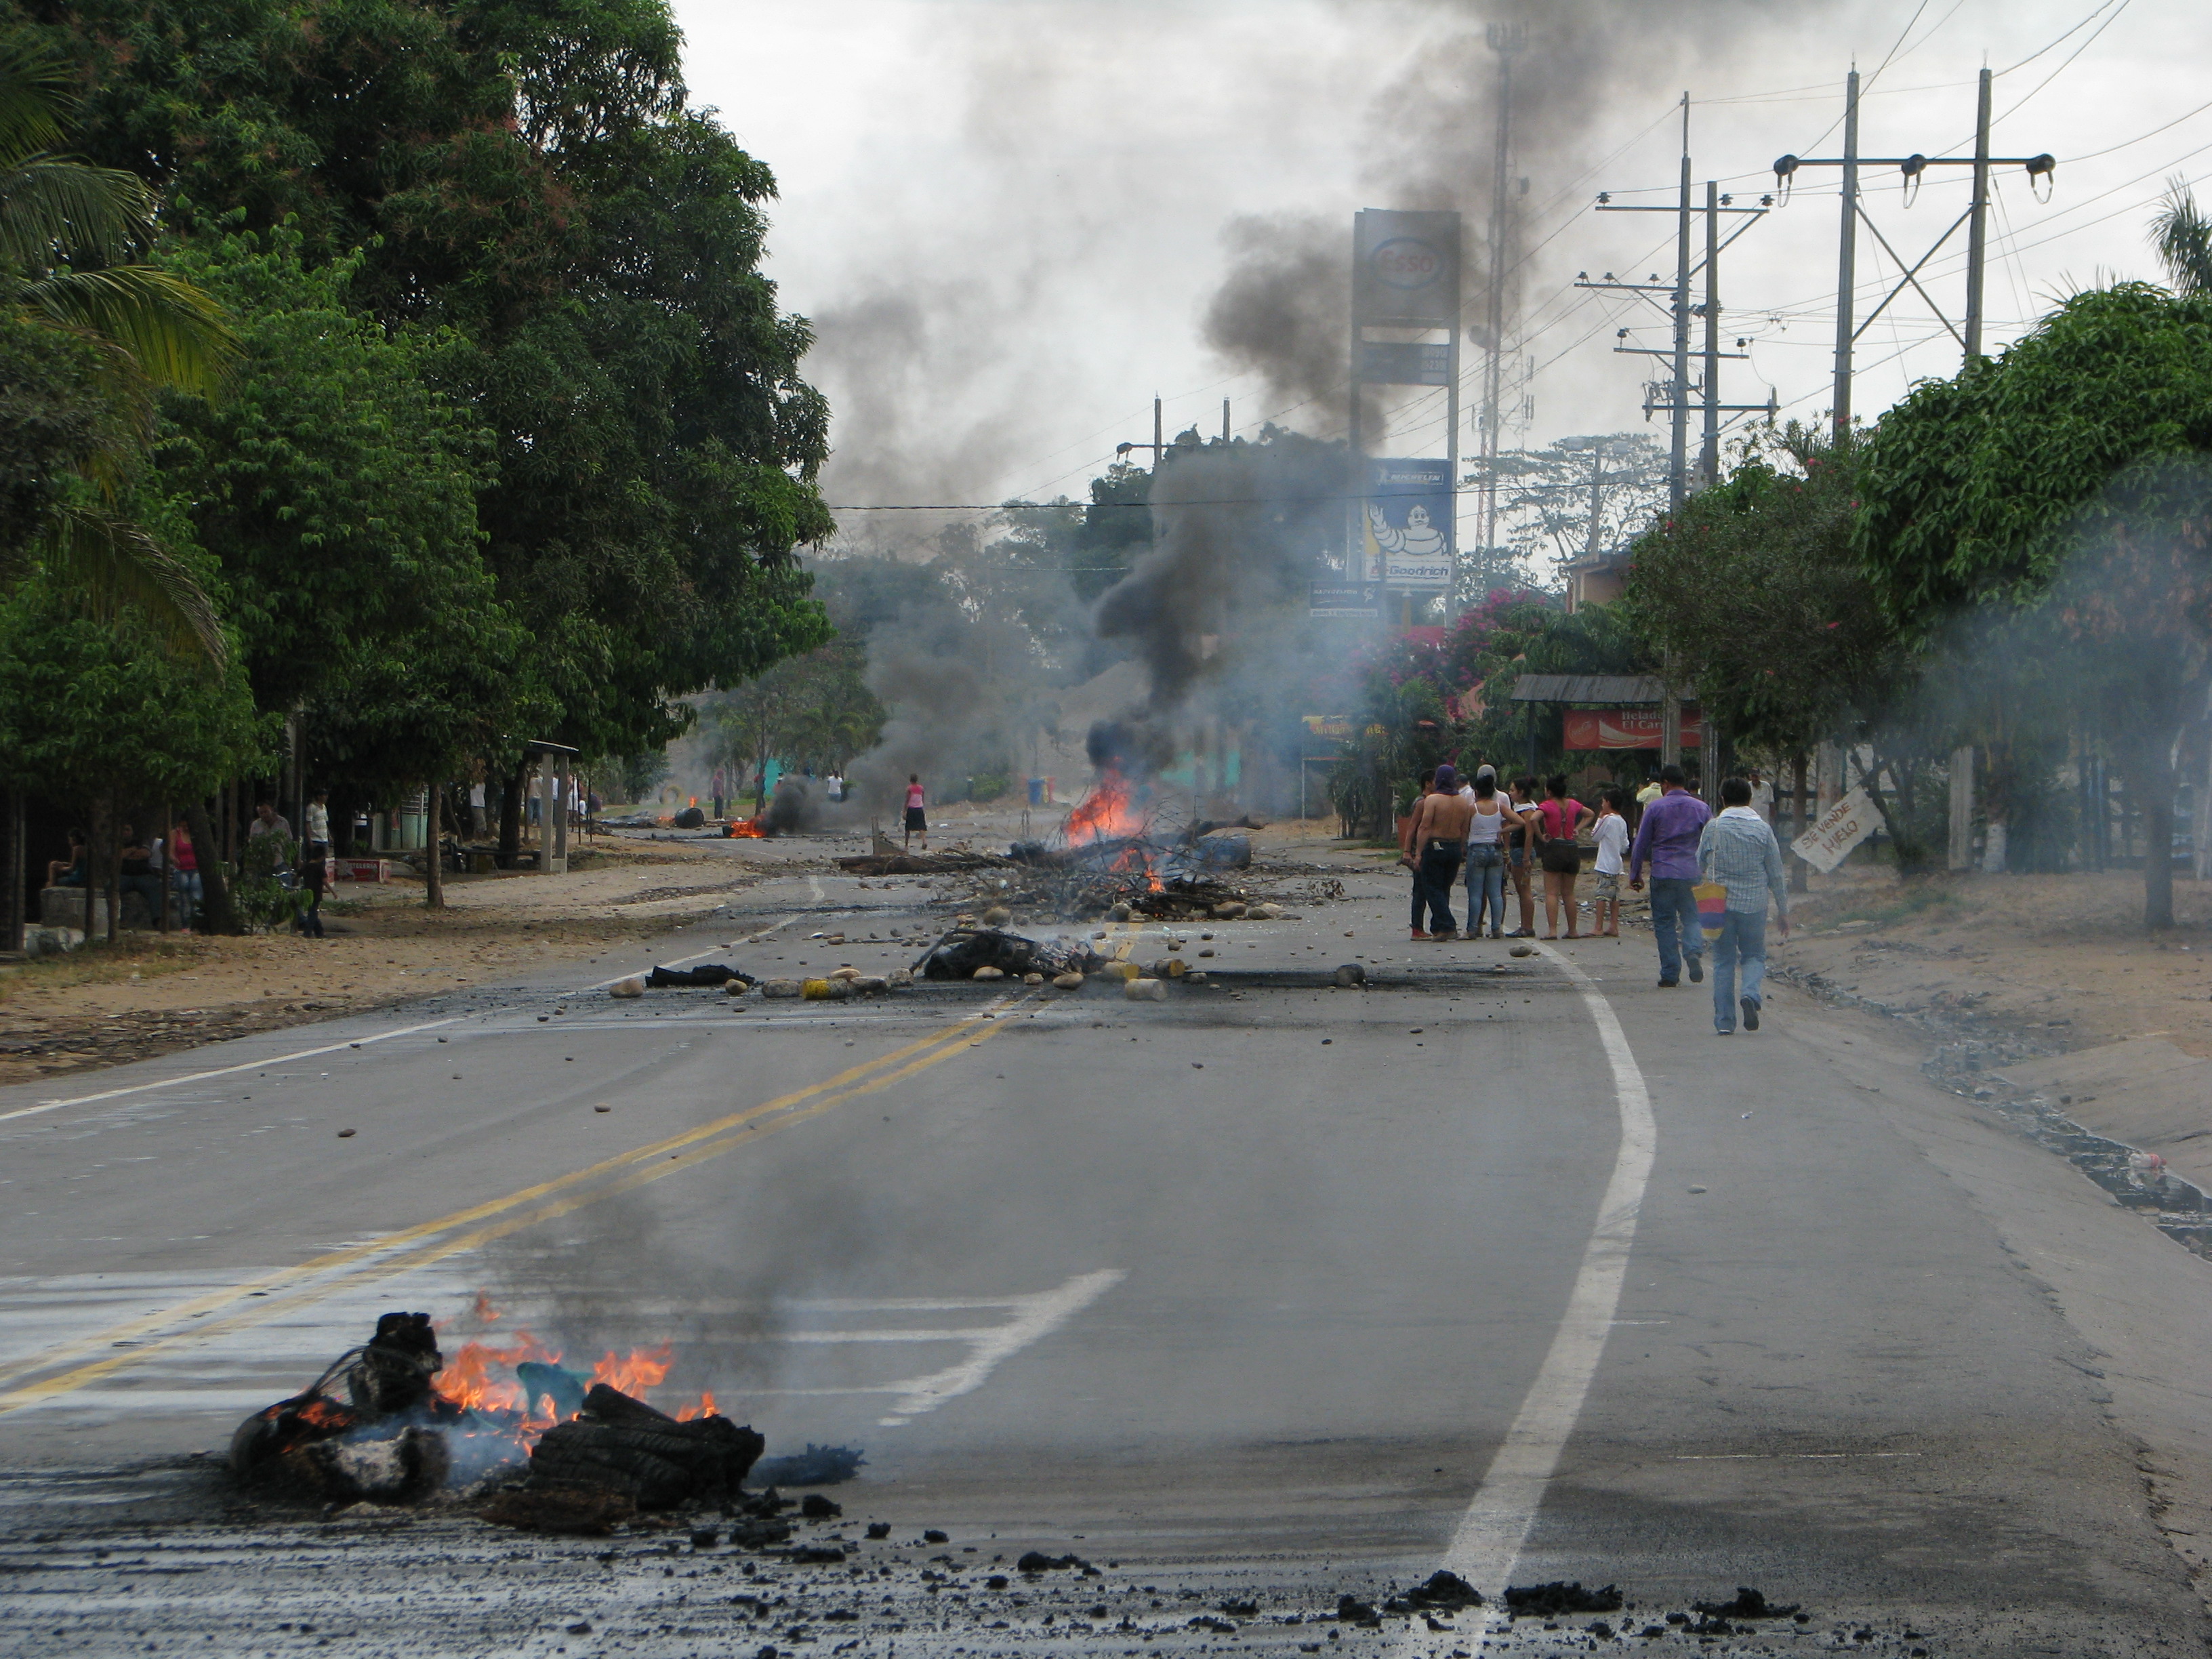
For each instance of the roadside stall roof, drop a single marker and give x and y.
(1618, 690)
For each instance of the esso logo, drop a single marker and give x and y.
(1404, 263)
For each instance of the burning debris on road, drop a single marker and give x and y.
(391, 1422)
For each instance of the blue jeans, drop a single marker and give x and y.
(1742, 939)
(1439, 865)
(1486, 886)
(1674, 920)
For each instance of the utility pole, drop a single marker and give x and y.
(1708, 455)
(1676, 400)
(1505, 40)
(1225, 420)
(1914, 168)
(1847, 259)
(1677, 473)
(1978, 232)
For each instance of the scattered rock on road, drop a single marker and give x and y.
(1351, 974)
(632, 986)
(1550, 1601)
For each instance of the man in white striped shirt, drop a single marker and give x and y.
(1738, 851)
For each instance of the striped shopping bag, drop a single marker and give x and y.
(1712, 905)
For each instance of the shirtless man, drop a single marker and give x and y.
(1440, 827)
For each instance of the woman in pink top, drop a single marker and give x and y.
(1558, 821)
(184, 872)
(916, 823)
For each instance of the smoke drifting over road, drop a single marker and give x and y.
(1430, 142)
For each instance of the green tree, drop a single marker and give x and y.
(338, 486)
(533, 178)
(2061, 490)
(2183, 236)
(68, 231)
(1755, 593)
(103, 716)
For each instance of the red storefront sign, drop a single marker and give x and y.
(1625, 728)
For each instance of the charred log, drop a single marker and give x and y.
(622, 1446)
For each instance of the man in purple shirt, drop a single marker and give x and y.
(1668, 841)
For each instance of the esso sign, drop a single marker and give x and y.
(1403, 263)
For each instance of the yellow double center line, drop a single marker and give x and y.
(467, 1229)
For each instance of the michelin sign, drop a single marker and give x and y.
(1409, 520)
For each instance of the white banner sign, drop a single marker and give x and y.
(1841, 827)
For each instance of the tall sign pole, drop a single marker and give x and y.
(1505, 40)
(1405, 285)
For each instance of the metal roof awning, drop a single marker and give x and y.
(1616, 691)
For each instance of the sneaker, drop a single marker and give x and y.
(1494, 933)
(1419, 936)
(1750, 1014)
(1697, 970)
(1668, 984)
(1446, 936)
(1723, 1030)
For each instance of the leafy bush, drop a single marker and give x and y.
(263, 899)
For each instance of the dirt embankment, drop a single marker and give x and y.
(2050, 962)
(153, 995)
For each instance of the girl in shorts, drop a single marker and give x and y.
(1611, 834)
(917, 823)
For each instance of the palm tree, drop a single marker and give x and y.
(2183, 236)
(68, 232)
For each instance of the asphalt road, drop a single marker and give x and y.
(1271, 1292)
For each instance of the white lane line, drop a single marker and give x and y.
(226, 1071)
(1487, 1544)
(351, 1042)
(697, 955)
(1037, 1317)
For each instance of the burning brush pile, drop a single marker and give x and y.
(1127, 850)
(553, 1449)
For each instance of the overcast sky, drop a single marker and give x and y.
(1010, 219)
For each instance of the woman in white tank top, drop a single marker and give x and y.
(1485, 857)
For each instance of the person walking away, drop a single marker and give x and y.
(917, 822)
(1559, 821)
(1522, 799)
(1408, 856)
(1489, 819)
(719, 787)
(318, 825)
(1611, 834)
(1737, 850)
(837, 785)
(1667, 840)
(184, 874)
(1440, 831)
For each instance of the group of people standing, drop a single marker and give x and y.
(1495, 834)
(1489, 833)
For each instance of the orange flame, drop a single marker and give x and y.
(1104, 812)
(321, 1412)
(467, 1380)
(705, 1408)
(643, 1369)
(745, 829)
